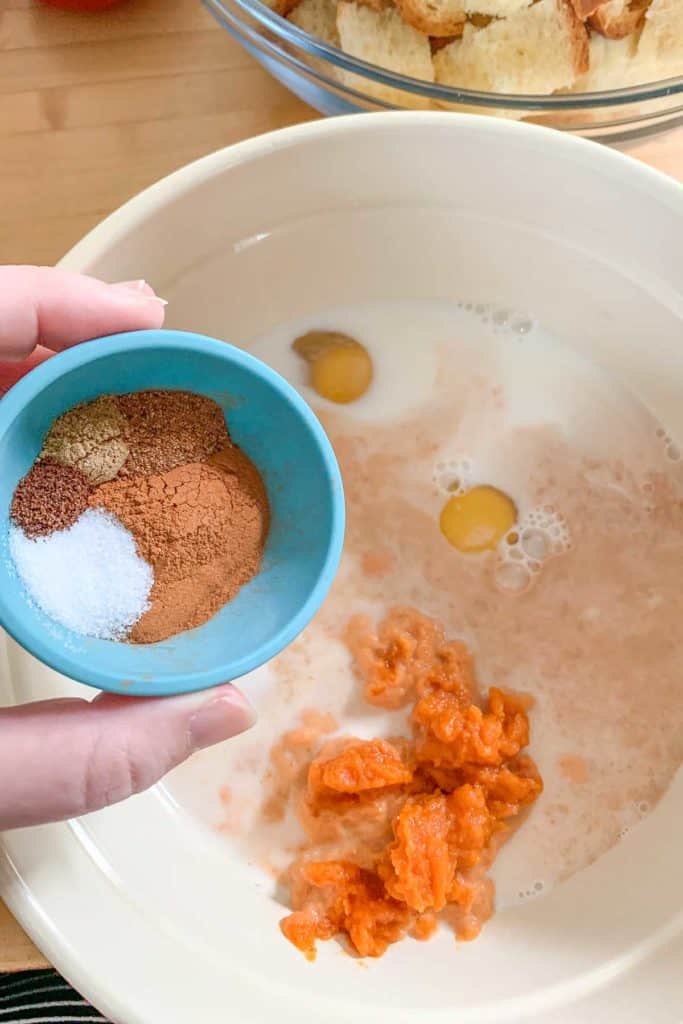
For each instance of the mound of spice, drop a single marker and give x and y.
(156, 474)
(89, 438)
(50, 497)
(201, 526)
(400, 830)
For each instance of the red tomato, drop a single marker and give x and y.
(81, 5)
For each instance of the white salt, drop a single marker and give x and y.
(88, 578)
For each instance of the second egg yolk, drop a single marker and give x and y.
(340, 367)
(342, 374)
(477, 520)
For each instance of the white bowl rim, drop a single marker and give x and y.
(155, 197)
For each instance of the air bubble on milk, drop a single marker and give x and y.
(551, 524)
(533, 893)
(671, 449)
(501, 319)
(453, 476)
(521, 325)
(541, 534)
(631, 816)
(536, 543)
(512, 577)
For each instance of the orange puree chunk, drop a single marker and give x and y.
(407, 654)
(342, 897)
(452, 734)
(451, 671)
(365, 764)
(390, 661)
(424, 927)
(419, 868)
(401, 830)
(473, 824)
(509, 789)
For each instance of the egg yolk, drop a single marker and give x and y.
(477, 520)
(340, 367)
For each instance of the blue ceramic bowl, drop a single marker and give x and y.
(276, 429)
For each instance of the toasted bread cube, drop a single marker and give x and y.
(611, 64)
(496, 8)
(660, 48)
(617, 19)
(537, 50)
(384, 39)
(282, 7)
(318, 18)
(433, 17)
(584, 8)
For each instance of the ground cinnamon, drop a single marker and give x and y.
(202, 527)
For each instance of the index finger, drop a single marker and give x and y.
(58, 308)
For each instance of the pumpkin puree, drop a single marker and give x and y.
(399, 830)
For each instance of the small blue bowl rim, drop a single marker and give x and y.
(48, 651)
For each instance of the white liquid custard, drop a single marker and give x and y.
(460, 397)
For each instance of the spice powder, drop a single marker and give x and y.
(162, 463)
(202, 527)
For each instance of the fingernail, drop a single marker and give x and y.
(138, 290)
(220, 719)
(132, 286)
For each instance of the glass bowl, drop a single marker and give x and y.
(334, 83)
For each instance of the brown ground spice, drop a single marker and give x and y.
(89, 437)
(202, 527)
(50, 497)
(165, 429)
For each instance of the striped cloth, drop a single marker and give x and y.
(39, 997)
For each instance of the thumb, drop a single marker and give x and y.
(63, 758)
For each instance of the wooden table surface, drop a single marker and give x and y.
(94, 108)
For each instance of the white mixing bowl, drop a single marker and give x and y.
(153, 917)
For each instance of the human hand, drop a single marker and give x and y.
(63, 758)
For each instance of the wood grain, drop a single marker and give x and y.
(17, 952)
(94, 108)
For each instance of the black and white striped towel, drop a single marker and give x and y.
(42, 997)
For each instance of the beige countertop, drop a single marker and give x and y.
(94, 108)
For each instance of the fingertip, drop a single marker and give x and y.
(226, 713)
(137, 303)
(58, 308)
(11, 372)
